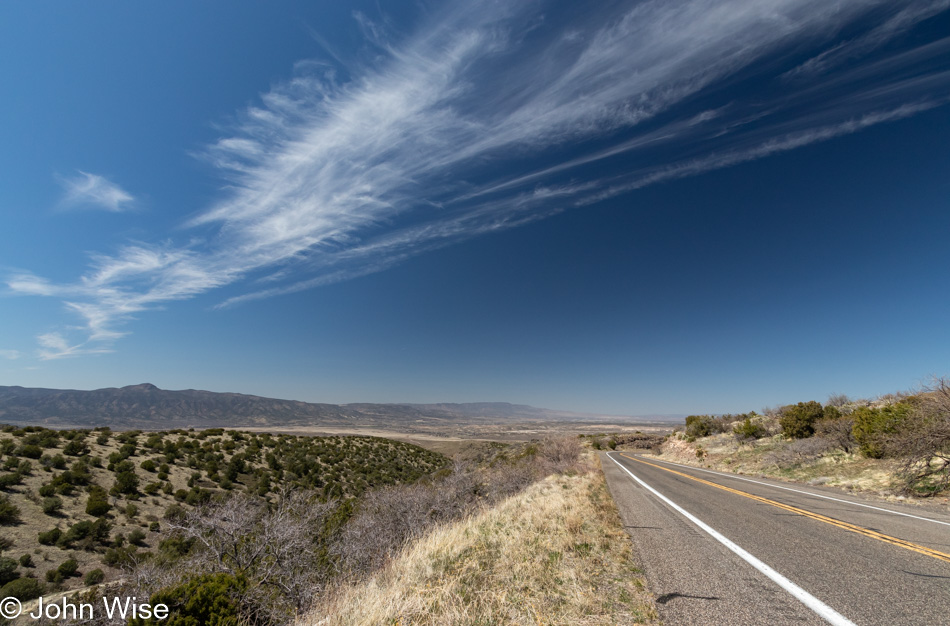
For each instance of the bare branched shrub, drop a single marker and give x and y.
(838, 400)
(560, 455)
(799, 451)
(387, 519)
(507, 480)
(839, 431)
(923, 442)
(274, 547)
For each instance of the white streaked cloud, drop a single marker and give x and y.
(897, 24)
(11, 355)
(85, 190)
(55, 346)
(487, 119)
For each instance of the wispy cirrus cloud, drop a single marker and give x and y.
(905, 18)
(11, 355)
(85, 190)
(492, 116)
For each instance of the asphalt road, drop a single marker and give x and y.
(817, 555)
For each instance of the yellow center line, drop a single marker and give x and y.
(867, 532)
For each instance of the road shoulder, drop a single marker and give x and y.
(696, 580)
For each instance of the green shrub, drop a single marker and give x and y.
(9, 513)
(86, 532)
(52, 505)
(798, 420)
(698, 426)
(137, 537)
(10, 480)
(209, 599)
(30, 451)
(175, 546)
(68, 568)
(76, 448)
(26, 561)
(126, 482)
(174, 512)
(79, 530)
(98, 503)
(197, 496)
(8, 570)
(23, 589)
(94, 577)
(872, 426)
(120, 557)
(749, 430)
(50, 537)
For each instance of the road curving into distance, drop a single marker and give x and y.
(725, 549)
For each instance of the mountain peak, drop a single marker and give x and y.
(141, 387)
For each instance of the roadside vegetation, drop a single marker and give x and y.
(898, 444)
(85, 507)
(536, 517)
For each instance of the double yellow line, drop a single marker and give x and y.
(867, 532)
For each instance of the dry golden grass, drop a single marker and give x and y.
(554, 554)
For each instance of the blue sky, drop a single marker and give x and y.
(629, 208)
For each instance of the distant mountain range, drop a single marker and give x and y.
(147, 406)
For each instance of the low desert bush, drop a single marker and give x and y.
(94, 577)
(748, 430)
(873, 426)
(838, 430)
(799, 451)
(923, 442)
(9, 512)
(23, 589)
(798, 420)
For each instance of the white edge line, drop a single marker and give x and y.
(807, 493)
(813, 603)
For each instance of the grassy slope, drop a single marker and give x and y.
(554, 554)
